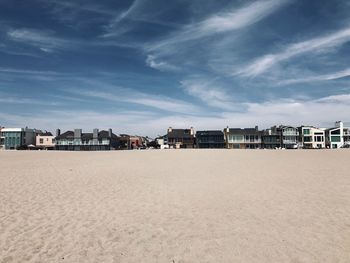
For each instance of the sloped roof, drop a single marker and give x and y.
(208, 133)
(180, 133)
(245, 131)
(45, 134)
(86, 136)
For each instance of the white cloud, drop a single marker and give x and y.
(332, 76)
(320, 112)
(113, 28)
(27, 71)
(152, 62)
(154, 101)
(9, 99)
(323, 43)
(223, 22)
(44, 40)
(209, 93)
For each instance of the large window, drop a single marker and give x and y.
(306, 131)
(335, 138)
(307, 139)
(318, 138)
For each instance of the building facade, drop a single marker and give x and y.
(78, 141)
(2, 139)
(272, 138)
(210, 139)
(181, 138)
(45, 141)
(247, 138)
(311, 137)
(18, 138)
(162, 142)
(290, 136)
(338, 136)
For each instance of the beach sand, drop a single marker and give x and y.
(175, 206)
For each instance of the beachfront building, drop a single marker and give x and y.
(18, 138)
(162, 142)
(290, 136)
(210, 139)
(272, 138)
(346, 135)
(181, 138)
(247, 138)
(131, 142)
(2, 139)
(338, 136)
(78, 141)
(311, 137)
(45, 141)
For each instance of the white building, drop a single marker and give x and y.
(337, 136)
(45, 141)
(312, 138)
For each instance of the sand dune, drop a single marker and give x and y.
(175, 206)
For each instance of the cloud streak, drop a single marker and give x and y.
(266, 114)
(42, 39)
(223, 22)
(332, 76)
(153, 101)
(323, 43)
(209, 93)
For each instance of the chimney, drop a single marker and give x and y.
(192, 131)
(227, 129)
(77, 133)
(170, 130)
(256, 128)
(95, 134)
(58, 132)
(339, 124)
(110, 133)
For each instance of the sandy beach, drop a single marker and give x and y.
(175, 206)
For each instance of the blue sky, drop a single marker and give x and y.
(141, 66)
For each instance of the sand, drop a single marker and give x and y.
(175, 206)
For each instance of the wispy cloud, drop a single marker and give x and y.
(42, 39)
(323, 43)
(113, 28)
(222, 22)
(152, 62)
(318, 112)
(9, 99)
(208, 92)
(123, 95)
(27, 71)
(86, 7)
(309, 79)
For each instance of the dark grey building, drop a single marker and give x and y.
(272, 138)
(181, 138)
(210, 139)
(78, 141)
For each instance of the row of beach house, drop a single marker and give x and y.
(276, 137)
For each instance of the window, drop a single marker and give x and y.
(335, 138)
(306, 131)
(307, 139)
(41, 140)
(336, 131)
